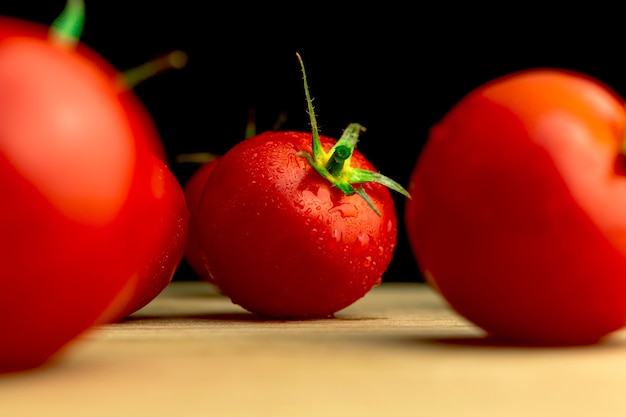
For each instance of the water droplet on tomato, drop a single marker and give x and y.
(346, 210)
(361, 243)
(364, 239)
(367, 262)
(294, 161)
(336, 237)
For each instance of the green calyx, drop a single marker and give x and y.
(334, 165)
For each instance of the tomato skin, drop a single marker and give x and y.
(281, 241)
(84, 205)
(193, 194)
(518, 215)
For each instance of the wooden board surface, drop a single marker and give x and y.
(400, 351)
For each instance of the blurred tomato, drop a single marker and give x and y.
(90, 212)
(193, 190)
(518, 214)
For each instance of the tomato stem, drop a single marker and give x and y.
(318, 152)
(132, 77)
(337, 160)
(195, 157)
(67, 28)
(334, 166)
(250, 124)
(280, 121)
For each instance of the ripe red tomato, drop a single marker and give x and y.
(84, 209)
(518, 214)
(141, 121)
(285, 234)
(167, 215)
(281, 241)
(193, 194)
(194, 188)
(169, 209)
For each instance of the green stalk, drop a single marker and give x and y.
(67, 28)
(129, 79)
(335, 164)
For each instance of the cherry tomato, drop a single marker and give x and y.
(83, 211)
(168, 210)
(194, 188)
(141, 121)
(283, 231)
(518, 214)
(166, 213)
(193, 193)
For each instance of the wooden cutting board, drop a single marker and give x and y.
(399, 351)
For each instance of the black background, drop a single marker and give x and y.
(395, 69)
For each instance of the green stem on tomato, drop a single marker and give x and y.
(280, 121)
(335, 164)
(195, 157)
(250, 124)
(318, 151)
(337, 160)
(67, 28)
(129, 79)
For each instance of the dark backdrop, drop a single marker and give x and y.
(395, 69)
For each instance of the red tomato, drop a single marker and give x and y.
(84, 213)
(166, 212)
(141, 121)
(284, 233)
(169, 209)
(193, 193)
(194, 188)
(518, 214)
(281, 241)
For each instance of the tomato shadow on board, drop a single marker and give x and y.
(222, 317)
(233, 317)
(486, 341)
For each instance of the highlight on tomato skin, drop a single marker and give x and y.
(517, 216)
(141, 122)
(91, 205)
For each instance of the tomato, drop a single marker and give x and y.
(141, 121)
(167, 214)
(193, 193)
(85, 215)
(194, 188)
(518, 215)
(284, 233)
